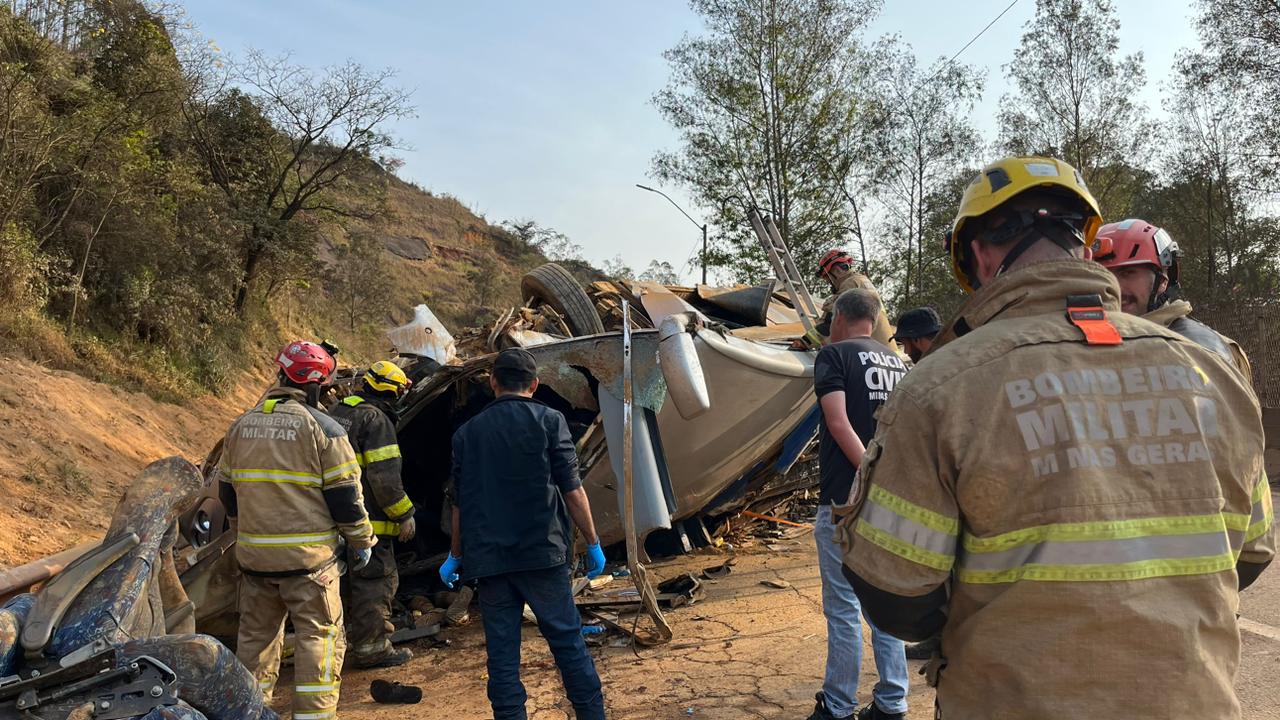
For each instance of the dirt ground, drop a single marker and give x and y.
(746, 651)
(68, 447)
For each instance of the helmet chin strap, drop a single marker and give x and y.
(1171, 293)
(1030, 226)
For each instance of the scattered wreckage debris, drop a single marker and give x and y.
(716, 572)
(772, 519)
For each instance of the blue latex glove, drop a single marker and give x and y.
(595, 560)
(449, 570)
(362, 558)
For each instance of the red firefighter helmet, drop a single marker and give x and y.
(305, 362)
(1137, 242)
(831, 259)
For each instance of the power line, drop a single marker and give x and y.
(982, 32)
(959, 52)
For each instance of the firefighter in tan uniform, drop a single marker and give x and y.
(1144, 259)
(1073, 496)
(836, 267)
(289, 474)
(368, 418)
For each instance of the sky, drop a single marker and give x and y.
(542, 109)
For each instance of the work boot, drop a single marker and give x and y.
(822, 712)
(458, 613)
(924, 650)
(393, 657)
(873, 712)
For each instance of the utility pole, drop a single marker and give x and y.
(703, 226)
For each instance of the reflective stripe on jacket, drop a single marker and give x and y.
(1086, 504)
(373, 437)
(296, 486)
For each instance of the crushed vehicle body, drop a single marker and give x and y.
(723, 408)
(726, 400)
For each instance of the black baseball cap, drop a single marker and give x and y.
(516, 361)
(918, 323)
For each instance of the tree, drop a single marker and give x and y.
(660, 272)
(553, 244)
(617, 268)
(1074, 100)
(358, 278)
(759, 101)
(280, 143)
(934, 284)
(1242, 40)
(925, 138)
(1212, 199)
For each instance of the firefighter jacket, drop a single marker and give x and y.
(1174, 315)
(288, 472)
(1069, 513)
(883, 330)
(373, 437)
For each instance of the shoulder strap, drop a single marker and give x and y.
(352, 400)
(1086, 313)
(269, 406)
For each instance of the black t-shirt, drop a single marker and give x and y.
(865, 371)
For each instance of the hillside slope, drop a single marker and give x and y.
(69, 446)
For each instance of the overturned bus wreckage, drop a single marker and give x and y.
(724, 398)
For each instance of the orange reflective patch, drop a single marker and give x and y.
(1093, 322)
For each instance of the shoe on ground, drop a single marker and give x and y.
(873, 712)
(458, 613)
(391, 658)
(394, 693)
(822, 712)
(923, 650)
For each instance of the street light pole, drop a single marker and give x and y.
(703, 226)
(704, 253)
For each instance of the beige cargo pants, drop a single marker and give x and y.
(314, 605)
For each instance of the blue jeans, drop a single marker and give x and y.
(549, 594)
(844, 635)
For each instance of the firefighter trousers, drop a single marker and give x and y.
(369, 593)
(314, 605)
